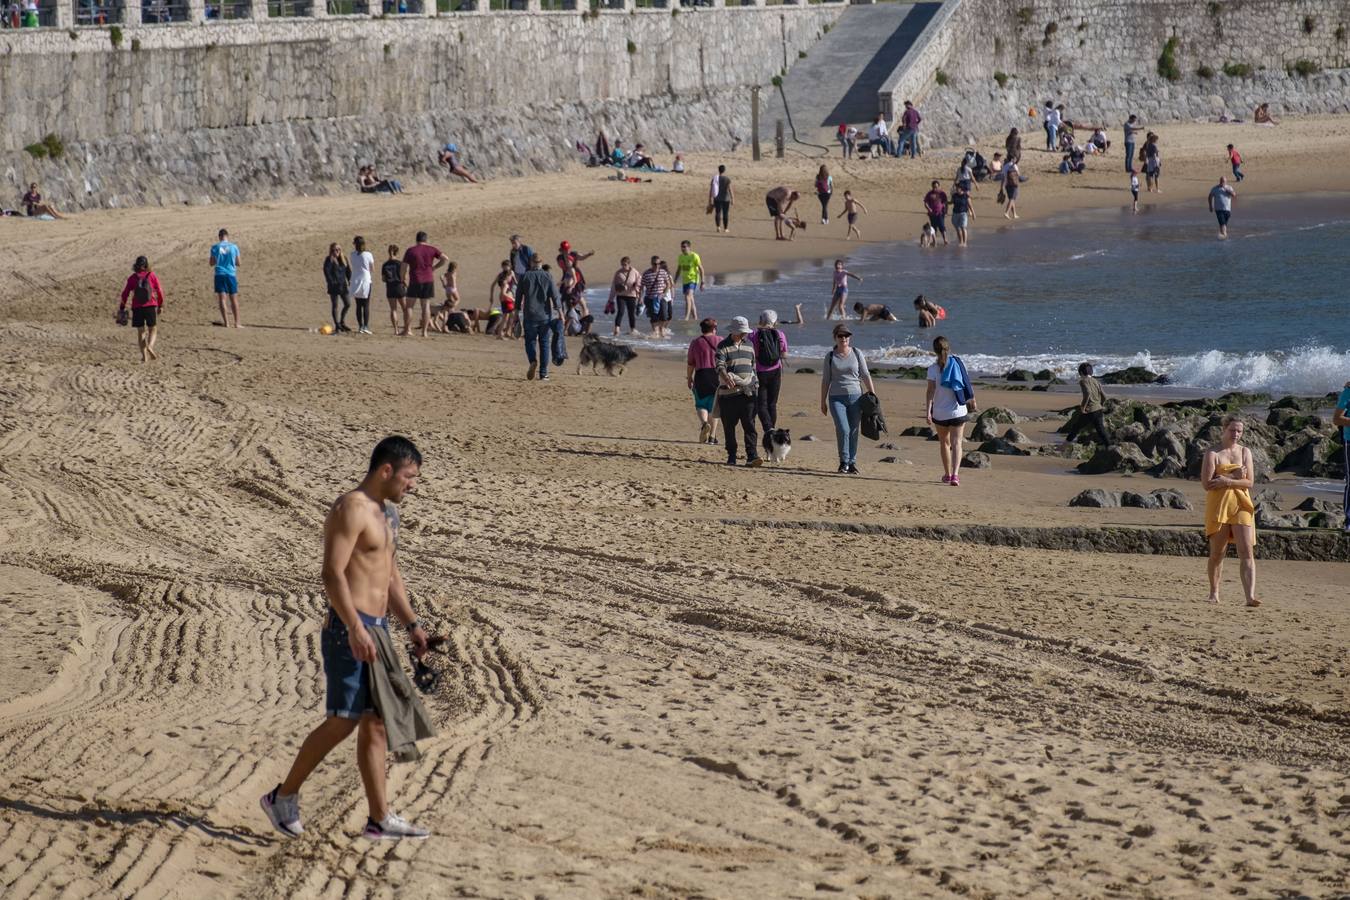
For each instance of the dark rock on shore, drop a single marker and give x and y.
(1130, 375)
(1116, 458)
(1001, 447)
(915, 372)
(805, 370)
(1097, 499)
(922, 431)
(1020, 375)
(1045, 375)
(976, 460)
(1162, 498)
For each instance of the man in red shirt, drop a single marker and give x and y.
(420, 263)
(935, 202)
(1235, 159)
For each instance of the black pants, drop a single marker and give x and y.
(625, 306)
(738, 408)
(1098, 421)
(339, 321)
(766, 402)
(939, 223)
(362, 312)
(722, 213)
(824, 197)
(1345, 500)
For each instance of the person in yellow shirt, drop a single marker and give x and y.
(1227, 475)
(690, 268)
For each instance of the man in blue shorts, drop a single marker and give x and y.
(225, 261)
(1221, 204)
(367, 690)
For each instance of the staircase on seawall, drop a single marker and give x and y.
(839, 78)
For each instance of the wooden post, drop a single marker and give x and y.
(754, 122)
(778, 140)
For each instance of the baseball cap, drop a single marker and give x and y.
(842, 328)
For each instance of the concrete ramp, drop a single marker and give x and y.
(839, 79)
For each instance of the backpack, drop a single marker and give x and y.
(142, 292)
(768, 352)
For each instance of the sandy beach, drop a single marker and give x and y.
(669, 678)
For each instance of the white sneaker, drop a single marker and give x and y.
(394, 828)
(283, 812)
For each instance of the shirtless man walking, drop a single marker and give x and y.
(362, 581)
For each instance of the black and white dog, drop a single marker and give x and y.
(777, 444)
(609, 354)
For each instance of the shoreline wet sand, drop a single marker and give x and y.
(643, 699)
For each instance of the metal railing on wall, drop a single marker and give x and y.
(228, 10)
(20, 14)
(163, 12)
(29, 13)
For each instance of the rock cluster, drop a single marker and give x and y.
(1169, 440)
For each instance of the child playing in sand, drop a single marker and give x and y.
(840, 294)
(1134, 191)
(852, 208)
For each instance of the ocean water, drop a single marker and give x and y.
(1266, 310)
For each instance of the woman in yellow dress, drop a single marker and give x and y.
(1227, 476)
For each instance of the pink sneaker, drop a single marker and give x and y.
(955, 482)
(946, 479)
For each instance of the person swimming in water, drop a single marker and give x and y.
(928, 312)
(874, 312)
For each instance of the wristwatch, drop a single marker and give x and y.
(415, 623)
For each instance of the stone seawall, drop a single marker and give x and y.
(1102, 60)
(237, 110)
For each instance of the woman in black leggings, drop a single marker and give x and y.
(337, 274)
(623, 291)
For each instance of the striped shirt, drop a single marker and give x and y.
(736, 360)
(655, 282)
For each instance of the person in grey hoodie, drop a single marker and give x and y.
(539, 305)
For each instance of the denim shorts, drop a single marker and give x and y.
(348, 678)
(959, 220)
(227, 284)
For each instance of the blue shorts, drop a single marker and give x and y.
(226, 284)
(1222, 215)
(348, 678)
(690, 286)
(704, 402)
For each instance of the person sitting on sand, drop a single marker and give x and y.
(929, 312)
(385, 185)
(1227, 475)
(639, 159)
(1262, 115)
(450, 159)
(33, 204)
(1098, 140)
(874, 312)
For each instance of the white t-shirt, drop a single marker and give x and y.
(944, 398)
(362, 263)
